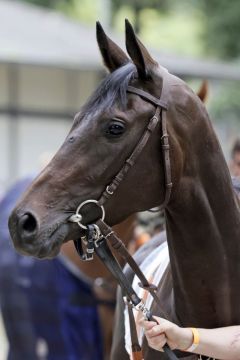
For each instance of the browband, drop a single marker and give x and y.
(147, 96)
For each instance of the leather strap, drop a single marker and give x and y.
(121, 249)
(159, 114)
(106, 256)
(110, 261)
(166, 157)
(110, 189)
(136, 348)
(152, 99)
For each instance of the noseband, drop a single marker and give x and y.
(98, 234)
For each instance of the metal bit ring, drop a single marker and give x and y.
(77, 217)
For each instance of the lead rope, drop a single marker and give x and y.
(121, 249)
(99, 238)
(119, 246)
(136, 348)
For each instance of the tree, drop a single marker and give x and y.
(137, 6)
(222, 29)
(45, 3)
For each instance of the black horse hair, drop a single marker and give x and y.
(112, 89)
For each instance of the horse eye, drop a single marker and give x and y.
(115, 128)
(71, 139)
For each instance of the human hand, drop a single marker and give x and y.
(162, 332)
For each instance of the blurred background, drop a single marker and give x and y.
(50, 64)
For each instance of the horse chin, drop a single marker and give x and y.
(64, 233)
(41, 252)
(45, 246)
(48, 252)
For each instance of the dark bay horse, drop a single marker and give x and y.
(202, 213)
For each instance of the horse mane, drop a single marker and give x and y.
(112, 89)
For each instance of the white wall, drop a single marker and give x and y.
(4, 146)
(24, 139)
(3, 85)
(38, 137)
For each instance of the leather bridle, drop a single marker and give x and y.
(160, 114)
(98, 235)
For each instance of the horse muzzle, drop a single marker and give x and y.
(29, 238)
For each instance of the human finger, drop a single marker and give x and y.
(147, 325)
(157, 342)
(164, 325)
(159, 320)
(154, 331)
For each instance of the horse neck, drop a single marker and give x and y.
(203, 230)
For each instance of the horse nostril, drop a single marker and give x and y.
(28, 223)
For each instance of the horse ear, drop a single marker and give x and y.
(113, 56)
(138, 53)
(203, 91)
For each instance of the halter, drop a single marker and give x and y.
(99, 234)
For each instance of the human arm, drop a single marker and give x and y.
(219, 343)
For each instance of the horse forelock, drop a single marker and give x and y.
(112, 89)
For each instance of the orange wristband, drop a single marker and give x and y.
(196, 340)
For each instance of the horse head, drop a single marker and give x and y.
(103, 135)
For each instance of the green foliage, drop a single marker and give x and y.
(177, 30)
(176, 36)
(45, 3)
(222, 18)
(141, 4)
(137, 7)
(88, 11)
(85, 10)
(214, 23)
